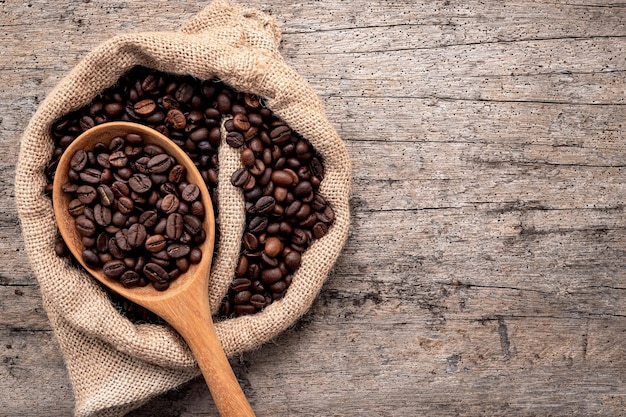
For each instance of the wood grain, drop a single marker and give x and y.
(484, 272)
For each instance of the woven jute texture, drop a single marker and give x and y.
(114, 365)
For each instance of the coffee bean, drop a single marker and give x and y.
(174, 227)
(79, 160)
(241, 122)
(90, 175)
(270, 276)
(265, 205)
(178, 250)
(257, 224)
(145, 107)
(155, 243)
(113, 109)
(148, 218)
(86, 194)
(130, 279)
(149, 83)
(136, 235)
(121, 238)
(114, 269)
(159, 163)
(240, 177)
(102, 215)
(140, 183)
(223, 103)
(170, 204)
(273, 246)
(106, 195)
(242, 266)
(190, 193)
(192, 224)
(250, 241)
(282, 178)
(257, 301)
(90, 258)
(280, 134)
(155, 272)
(85, 226)
(125, 205)
(235, 139)
(195, 256)
(177, 174)
(320, 230)
(176, 119)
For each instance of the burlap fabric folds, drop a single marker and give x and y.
(115, 366)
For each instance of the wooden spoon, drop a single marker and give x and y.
(185, 304)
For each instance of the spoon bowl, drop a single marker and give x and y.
(185, 304)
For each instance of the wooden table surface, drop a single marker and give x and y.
(485, 271)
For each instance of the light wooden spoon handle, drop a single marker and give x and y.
(202, 339)
(190, 314)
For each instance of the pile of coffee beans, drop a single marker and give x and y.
(280, 175)
(139, 219)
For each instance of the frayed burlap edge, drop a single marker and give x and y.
(115, 365)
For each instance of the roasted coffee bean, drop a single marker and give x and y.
(270, 276)
(145, 107)
(90, 257)
(282, 178)
(125, 205)
(79, 160)
(161, 285)
(114, 269)
(76, 207)
(250, 242)
(242, 266)
(121, 238)
(90, 175)
(169, 204)
(178, 250)
(140, 183)
(136, 235)
(155, 243)
(240, 284)
(195, 256)
(106, 195)
(190, 193)
(175, 226)
(130, 279)
(182, 264)
(155, 272)
(176, 119)
(86, 194)
(235, 139)
(192, 224)
(258, 224)
(273, 246)
(265, 205)
(102, 215)
(303, 189)
(148, 218)
(293, 260)
(120, 189)
(177, 174)
(240, 177)
(247, 157)
(320, 230)
(159, 163)
(85, 226)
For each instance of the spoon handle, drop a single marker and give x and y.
(202, 339)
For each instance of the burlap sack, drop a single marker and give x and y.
(115, 366)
